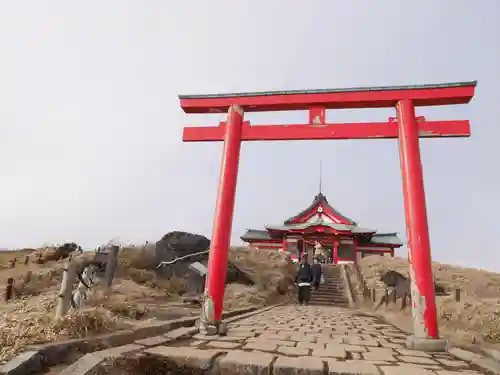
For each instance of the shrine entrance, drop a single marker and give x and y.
(406, 127)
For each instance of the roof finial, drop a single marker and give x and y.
(320, 175)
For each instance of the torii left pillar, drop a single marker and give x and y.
(211, 315)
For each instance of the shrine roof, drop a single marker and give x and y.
(320, 198)
(328, 91)
(339, 227)
(376, 239)
(254, 234)
(386, 239)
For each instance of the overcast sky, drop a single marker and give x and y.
(90, 141)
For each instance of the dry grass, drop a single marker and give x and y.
(138, 295)
(475, 319)
(271, 271)
(30, 321)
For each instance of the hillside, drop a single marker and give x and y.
(138, 295)
(475, 319)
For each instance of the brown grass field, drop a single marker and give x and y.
(473, 320)
(138, 295)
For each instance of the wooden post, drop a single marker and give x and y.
(111, 266)
(457, 295)
(65, 293)
(9, 289)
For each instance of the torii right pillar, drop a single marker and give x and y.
(425, 326)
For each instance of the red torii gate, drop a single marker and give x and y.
(406, 127)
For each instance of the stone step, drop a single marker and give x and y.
(332, 285)
(326, 295)
(328, 299)
(329, 292)
(329, 304)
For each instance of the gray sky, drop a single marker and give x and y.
(90, 141)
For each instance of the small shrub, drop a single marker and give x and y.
(127, 309)
(135, 257)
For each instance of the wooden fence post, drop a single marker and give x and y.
(65, 293)
(9, 289)
(457, 295)
(111, 266)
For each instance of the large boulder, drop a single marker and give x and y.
(402, 284)
(52, 253)
(175, 245)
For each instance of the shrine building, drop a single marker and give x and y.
(322, 229)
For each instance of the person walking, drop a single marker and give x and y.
(303, 280)
(317, 273)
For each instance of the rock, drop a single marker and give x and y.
(235, 275)
(401, 283)
(177, 244)
(283, 285)
(57, 253)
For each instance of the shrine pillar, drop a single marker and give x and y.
(210, 322)
(335, 252)
(425, 328)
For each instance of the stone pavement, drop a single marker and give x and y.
(310, 340)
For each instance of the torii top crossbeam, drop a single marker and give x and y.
(360, 97)
(318, 101)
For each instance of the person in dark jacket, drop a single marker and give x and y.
(317, 271)
(303, 280)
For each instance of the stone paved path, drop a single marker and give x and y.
(318, 340)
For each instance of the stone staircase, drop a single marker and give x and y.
(332, 292)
